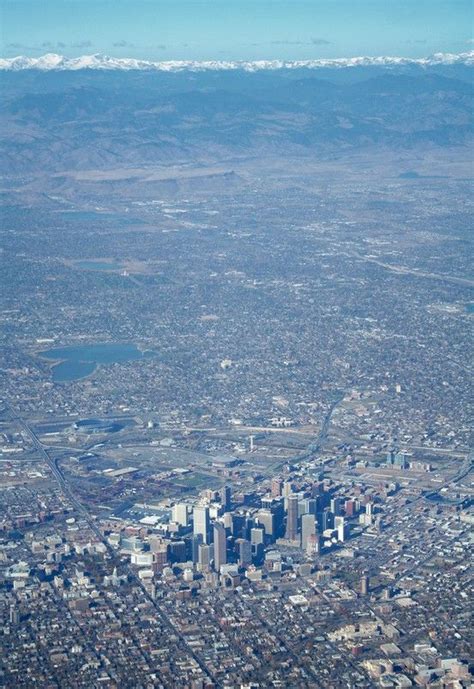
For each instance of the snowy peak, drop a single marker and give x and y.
(51, 61)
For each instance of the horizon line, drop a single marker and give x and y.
(101, 61)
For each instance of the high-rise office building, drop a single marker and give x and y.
(245, 552)
(220, 546)
(179, 514)
(238, 525)
(278, 511)
(364, 585)
(205, 556)
(306, 506)
(196, 541)
(302, 508)
(292, 518)
(177, 551)
(336, 506)
(228, 521)
(308, 528)
(201, 526)
(257, 535)
(325, 519)
(248, 526)
(160, 559)
(379, 523)
(349, 507)
(340, 525)
(277, 485)
(313, 545)
(225, 496)
(267, 502)
(267, 519)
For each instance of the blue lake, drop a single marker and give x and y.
(78, 362)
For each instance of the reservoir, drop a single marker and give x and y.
(78, 362)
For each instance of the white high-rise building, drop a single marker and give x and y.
(179, 514)
(340, 524)
(201, 524)
(206, 553)
(308, 528)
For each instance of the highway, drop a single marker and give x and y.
(67, 491)
(404, 270)
(316, 444)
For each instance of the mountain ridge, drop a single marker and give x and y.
(59, 120)
(98, 61)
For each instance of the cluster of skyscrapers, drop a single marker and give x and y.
(215, 532)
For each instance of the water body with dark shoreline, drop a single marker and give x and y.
(79, 361)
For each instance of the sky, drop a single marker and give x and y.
(235, 29)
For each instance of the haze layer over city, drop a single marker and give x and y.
(236, 365)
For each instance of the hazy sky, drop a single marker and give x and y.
(235, 29)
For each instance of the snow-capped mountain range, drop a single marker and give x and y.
(52, 61)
